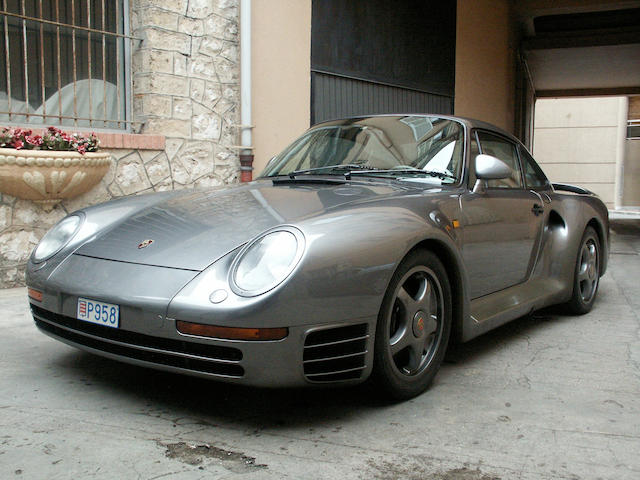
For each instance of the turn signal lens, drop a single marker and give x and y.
(34, 294)
(231, 333)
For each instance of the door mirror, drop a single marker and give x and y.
(489, 167)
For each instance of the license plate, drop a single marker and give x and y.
(101, 313)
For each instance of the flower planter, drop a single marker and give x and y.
(48, 177)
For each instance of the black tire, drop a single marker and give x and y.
(586, 277)
(413, 326)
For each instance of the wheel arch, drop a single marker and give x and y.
(603, 239)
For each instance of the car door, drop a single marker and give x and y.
(502, 223)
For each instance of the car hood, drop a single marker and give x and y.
(193, 229)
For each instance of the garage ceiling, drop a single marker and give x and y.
(581, 48)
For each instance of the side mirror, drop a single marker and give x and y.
(489, 167)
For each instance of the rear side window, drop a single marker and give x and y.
(505, 151)
(533, 174)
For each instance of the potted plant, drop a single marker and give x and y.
(50, 167)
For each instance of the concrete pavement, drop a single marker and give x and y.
(546, 397)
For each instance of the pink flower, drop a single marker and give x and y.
(35, 140)
(53, 139)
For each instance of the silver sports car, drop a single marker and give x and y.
(363, 249)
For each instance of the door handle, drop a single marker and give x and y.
(537, 209)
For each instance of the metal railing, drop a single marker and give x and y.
(104, 47)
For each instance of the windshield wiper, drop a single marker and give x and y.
(343, 168)
(408, 171)
(349, 169)
(440, 174)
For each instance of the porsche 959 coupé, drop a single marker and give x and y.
(362, 250)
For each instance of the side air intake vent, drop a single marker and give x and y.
(335, 354)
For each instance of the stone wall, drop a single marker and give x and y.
(185, 78)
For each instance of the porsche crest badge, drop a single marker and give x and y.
(145, 244)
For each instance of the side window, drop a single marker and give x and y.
(533, 174)
(505, 151)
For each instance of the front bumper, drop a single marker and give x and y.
(319, 354)
(332, 346)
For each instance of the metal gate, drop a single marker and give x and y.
(335, 96)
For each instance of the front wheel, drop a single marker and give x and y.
(586, 274)
(413, 326)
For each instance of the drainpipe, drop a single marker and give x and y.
(246, 150)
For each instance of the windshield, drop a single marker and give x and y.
(398, 146)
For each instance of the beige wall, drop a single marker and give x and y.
(631, 188)
(576, 141)
(485, 62)
(281, 75)
(631, 171)
(634, 108)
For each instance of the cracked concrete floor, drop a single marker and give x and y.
(545, 397)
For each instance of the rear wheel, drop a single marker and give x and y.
(413, 326)
(587, 274)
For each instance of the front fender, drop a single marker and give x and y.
(349, 259)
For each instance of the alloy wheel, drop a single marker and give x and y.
(416, 323)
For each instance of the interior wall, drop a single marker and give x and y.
(576, 141)
(486, 46)
(281, 75)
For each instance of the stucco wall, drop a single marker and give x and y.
(485, 62)
(185, 87)
(576, 140)
(281, 75)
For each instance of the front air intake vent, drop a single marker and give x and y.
(335, 354)
(191, 356)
